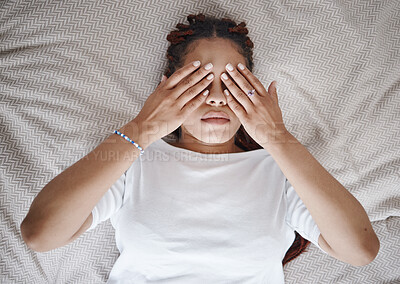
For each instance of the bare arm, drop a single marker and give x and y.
(346, 231)
(65, 204)
(62, 210)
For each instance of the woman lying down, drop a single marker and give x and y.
(231, 200)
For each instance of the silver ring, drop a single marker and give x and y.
(250, 93)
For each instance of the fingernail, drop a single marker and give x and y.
(224, 76)
(208, 66)
(210, 76)
(226, 92)
(206, 93)
(229, 67)
(196, 63)
(241, 66)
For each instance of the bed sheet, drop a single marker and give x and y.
(73, 71)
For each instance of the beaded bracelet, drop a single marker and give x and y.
(134, 143)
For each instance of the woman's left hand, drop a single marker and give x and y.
(260, 113)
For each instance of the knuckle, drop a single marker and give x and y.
(178, 72)
(202, 72)
(228, 83)
(199, 99)
(191, 92)
(192, 105)
(240, 95)
(188, 81)
(248, 87)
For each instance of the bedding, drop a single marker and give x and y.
(74, 71)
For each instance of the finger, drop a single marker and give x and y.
(258, 86)
(192, 79)
(181, 73)
(242, 82)
(273, 92)
(239, 95)
(193, 91)
(194, 104)
(235, 106)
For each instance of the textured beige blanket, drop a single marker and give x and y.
(73, 71)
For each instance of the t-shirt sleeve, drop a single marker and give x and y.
(299, 218)
(110, 203)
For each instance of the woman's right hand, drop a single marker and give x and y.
(174, 100)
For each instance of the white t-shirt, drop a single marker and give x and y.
(187, 217)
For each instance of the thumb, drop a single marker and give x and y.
(272, 90)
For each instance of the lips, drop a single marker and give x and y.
(216, 120)
(215, 114)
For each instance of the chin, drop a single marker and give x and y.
(213, 138)
(211, 134)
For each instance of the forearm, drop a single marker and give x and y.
(63, 205)
(341, 219)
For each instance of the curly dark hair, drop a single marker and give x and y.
(199, 27)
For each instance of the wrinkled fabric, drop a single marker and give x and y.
(187, 217)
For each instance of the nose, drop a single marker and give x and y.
(216, 96)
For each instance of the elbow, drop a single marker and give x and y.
(27, 237)
(34, 244)
(31, 240)
(371, 251)
(365, 261)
